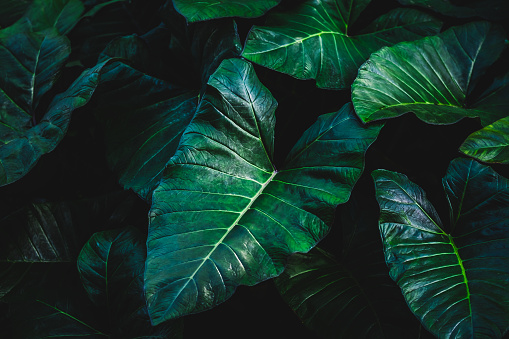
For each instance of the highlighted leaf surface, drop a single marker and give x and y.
(213, 9)
(315, 40)
(455, 280)
(432, 77)
(222, 215)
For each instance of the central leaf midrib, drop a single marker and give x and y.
(220, 241)
(464, 274)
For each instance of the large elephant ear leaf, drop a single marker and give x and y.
(210, 9)
(487, 9)
(315, 41)
(222, 215)
(432, 77)
(454, 281)
(490, 144)
(111, 266)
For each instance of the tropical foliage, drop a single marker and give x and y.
(175, 169)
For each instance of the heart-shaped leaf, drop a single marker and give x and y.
(432, 77)
(487, 9)
(490, 144)
(222, 215)
(314, 41)
(212, 9)
(455, 279)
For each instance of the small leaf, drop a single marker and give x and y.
(111, 266)
(455, 282)
(432, 77)
(211, 9)
(314, 41)
(490, 144)
(222, 215)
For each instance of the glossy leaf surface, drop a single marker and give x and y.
(111, 266)
(350, 294)
(454, 279)
(487, 9)
(314, 41)
(490, 144)
(222, 215)
(23, 143)
(432, 77)
(211, 9)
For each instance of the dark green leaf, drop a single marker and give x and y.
(315, 41)
(351, 296)
(39, 233)
(12, 10)
(144, 117)
(142, 132)
(111, 266)
(222, 215)
(455, 282)
(487, 9)
(211, 9)
(44, 14)
(23, 143)
(432, 77)
(490, 144)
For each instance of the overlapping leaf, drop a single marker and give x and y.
(433, 77)
(111, 266)
(352, 295)
(315, 41)
(143, 117)
(222, 215)
(487, 9)
(211, 9)
(490, 144)
(454, 279)
(44, 14)
(24, 142)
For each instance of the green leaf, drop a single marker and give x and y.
(314, 41)
(141, 132)
(211, 9)
(12, 10)
(432, 77)
(487, 9)
(39, 233)
(23, 143)
(111, 266)
(490, 144)
(222, 215)
(455, 282)
(44, 14)
(143, 117)
(351, 295)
